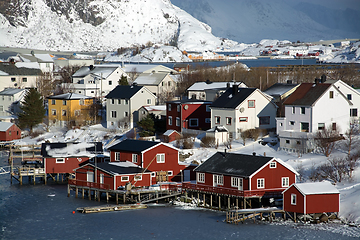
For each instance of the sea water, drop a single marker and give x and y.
(45, 212)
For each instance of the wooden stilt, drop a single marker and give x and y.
(68, 188)
(198, 199)
(228, 202)
(89, 194)
(237, 203)
(204, 199)
(117, 198)
(211, 201)
(107, 196)
(83, 193)
(124, 198)
(76, 191)
(219, 202)
(98, 195)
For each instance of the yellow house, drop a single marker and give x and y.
(69, 109)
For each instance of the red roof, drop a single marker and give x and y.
(307, 94)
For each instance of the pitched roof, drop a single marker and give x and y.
(98, 70)
(123, 92)
(119, 167)
(229, 100)
(71, 149)
(316, 188)
(4, 126)
(307, 94)
(279, 89)
(69, 96)
(233, 164)
(12, 91)
(12, 69)
(131, 145)
(150, 78)
(201, 86)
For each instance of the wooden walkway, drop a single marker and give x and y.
(235, 216)
(110, 208)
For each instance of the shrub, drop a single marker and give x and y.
(208, 142)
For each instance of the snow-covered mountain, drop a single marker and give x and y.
(100, 25)
(250, 21)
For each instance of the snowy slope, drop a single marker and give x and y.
(109, 25)
(252, 20)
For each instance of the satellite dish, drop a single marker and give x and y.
(242, 109)
(186, 107)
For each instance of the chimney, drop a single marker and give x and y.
(91, 67)
(228, 85)
(289, 81)
(208, 81)
(254, 154)
(225, 150)
(317, 80)
(323, 78)
(235, 89)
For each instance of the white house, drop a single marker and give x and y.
(95, 80)
(45, 61)
(123, 103)
(10, 102)
(313, 107)
(239, 109)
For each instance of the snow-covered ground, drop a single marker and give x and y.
(350, 191)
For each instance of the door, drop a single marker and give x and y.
(186, 175)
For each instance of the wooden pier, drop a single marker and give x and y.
(110, 208)
(235, 215)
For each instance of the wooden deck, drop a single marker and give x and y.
(235, 216)
(110, 208)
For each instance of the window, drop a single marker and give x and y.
(349, 97)
(52, 101)
(24, 79)
(302, 110)
(208, 108)
(169, 84)
(64, 102)
(125, 178)
(169, 107)
(110, 82)
(200, 177)
(293, 199)
(82, 102)
(160, 158)
(243, 119)
(119, 102)
(177, 121)
(228, 121)
(321, 126)
(113, 114)
(13, 79)
(305, 127)
(292, 123)
(193, 122)
(148, 101)
(112, 101)
(126, 114)
(170, 120)
(287, 141)
(218, 180)
(90, 177)
(273, 165)
(264, 120)
(134, 158)
(237, 182)
(126, 101)
(293, 110)
(77, 113)
(207, 120)
(251, 103)
(53, 112)
(101, 178)
(1, 108)
(153, 174)
(298, 142)
(285, 181)
(331, 94)
(334, 126)
(117, 156)
(260, 183)
(353, 112)
(60, 160)
(63, 113)
(178, 108)
(138, 178)
(217, 120)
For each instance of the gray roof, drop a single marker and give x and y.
(117, 168)
(4, 126)
(229, 100)
(279, 89)
(233, 164)
(150, 78)
(11, 91)
(69, 96)
(71, 149)
(12, 70)
(97, 70)
(123, 92)
(131, 145)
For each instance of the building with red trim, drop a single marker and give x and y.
(308, 198)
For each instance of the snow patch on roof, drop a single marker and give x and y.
(317, 188)
(32, 65)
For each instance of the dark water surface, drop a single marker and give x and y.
(27, 212)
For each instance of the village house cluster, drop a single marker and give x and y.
(221, 110)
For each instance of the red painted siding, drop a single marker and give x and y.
(11, 134)
(227, 181)
(319, 203)
(287, 206)
(67, 167)
(273, 177)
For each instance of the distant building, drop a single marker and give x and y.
(9, 131)
(10, 102)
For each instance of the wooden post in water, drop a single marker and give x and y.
(237, 203)
(219, 202)
(211, 201)
(76, 191)
(89, 193)
(198, 199)
(228, 202)
(204, 199)
(117, 198)
(68, 192)
(124, 198)
(82, 193)
(98, 195)
(107, 196)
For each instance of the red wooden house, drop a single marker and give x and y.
(159, 158)
(9, 131)
(189, 114)
(171, 135)
(65, 157)
(244, 175)
(308, 198)
(111, 175)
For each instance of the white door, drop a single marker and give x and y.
(240, 186)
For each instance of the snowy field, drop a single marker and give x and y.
(349, 191)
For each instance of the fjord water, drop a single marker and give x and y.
(28, 212)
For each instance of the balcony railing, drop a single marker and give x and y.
(81, 183)
(230, 191)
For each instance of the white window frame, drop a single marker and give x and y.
(200, 177)
(228, 120)
(60, 160)
(160, 158)
(218, 180)
(293, 199)
(117, 156)
(153, 174)
(53, 112)
(169, 107)
(119, 101)
(124, 178)
(169, 173)
(170, 120)
(82, 101)
(113, 114)
(260, 183)
(285, 182)
(101, 178)
(273, 165)
(148, 101)
(237, 182)
(90, 176)
(177, 121)
(217, 118)
(302, 110)
(134, 158)
(138, 177)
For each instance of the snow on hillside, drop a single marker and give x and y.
(351, 54)
(350, 191)
(124, 23)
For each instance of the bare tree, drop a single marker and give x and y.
(45, 85)
(325, 139)
(351, 145)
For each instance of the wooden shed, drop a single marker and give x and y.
(171, 135)
(308, 198)
(9, 131)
